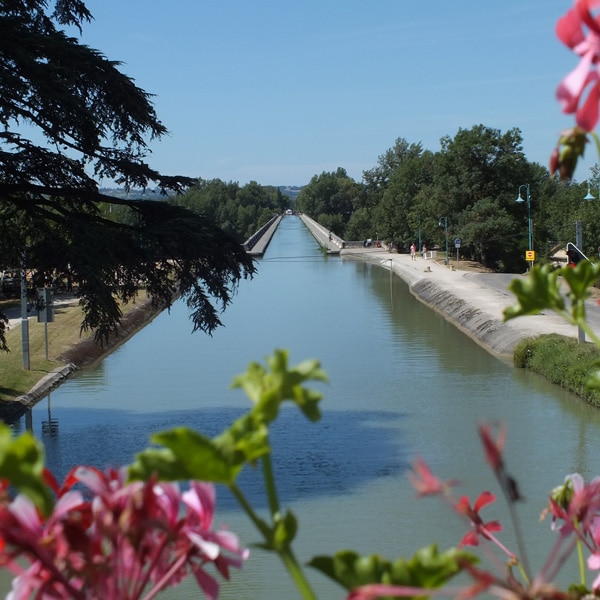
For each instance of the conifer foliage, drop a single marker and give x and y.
(69, 119)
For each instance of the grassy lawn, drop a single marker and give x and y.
(63, 333)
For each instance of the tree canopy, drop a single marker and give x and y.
(471, 185)
(330, 198)
(238, 210)
(70, 118)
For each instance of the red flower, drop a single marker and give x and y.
(472, 512)
(425, 482)
(493, 448)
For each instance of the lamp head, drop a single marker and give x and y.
(589, 195)
(519, 199)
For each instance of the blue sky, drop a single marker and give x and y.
(278, 91)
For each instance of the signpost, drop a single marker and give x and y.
(45, 308)
(457, 246)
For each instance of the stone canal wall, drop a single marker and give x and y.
(257, 244)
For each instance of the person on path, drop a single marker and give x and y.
(424, 251)
(413, 251)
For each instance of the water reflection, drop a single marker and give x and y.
(308, 459)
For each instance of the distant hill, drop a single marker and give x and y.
(291, 191)
(132, 194)
(288, 190)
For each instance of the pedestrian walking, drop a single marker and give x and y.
(424, 251)
(413, 251)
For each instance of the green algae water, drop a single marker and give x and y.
(403, 383)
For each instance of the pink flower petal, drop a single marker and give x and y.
(571, 87)
(587, 115)
(209, 585)
(568, 29)
(593, 561)
(26, 514)
(483, 500)
(209, 549)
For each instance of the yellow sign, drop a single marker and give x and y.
(530, 255)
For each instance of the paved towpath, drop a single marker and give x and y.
(14, 312)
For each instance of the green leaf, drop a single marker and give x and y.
(22, 463)
(269, 389)
(244, 442)
(186, 455)
(579, 280)
(285, 529)
(427, 569)
(539, 291)
(351, 570)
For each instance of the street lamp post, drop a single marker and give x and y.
(444, 221)
(530, 251)
(579, 244)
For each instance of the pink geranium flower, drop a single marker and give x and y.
(579, 29)
(124, 541)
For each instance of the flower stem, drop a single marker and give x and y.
(270, 484)
(262, 527)
(297, 574)
(285, 553)
(581, 561)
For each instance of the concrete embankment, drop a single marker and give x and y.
(473, 302)
(325, 238)
(257, 244)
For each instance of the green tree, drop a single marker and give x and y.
(476, 177)
(485, 228)
(377, 179)
(241, 211)
(330, 198)
(400, 214)
(360, 224)
(94, 122)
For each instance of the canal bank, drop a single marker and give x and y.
(84, 353)
(473, 302)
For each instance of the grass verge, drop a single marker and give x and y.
(66, 344)
(563, 361)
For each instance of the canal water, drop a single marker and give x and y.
(403, 383)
